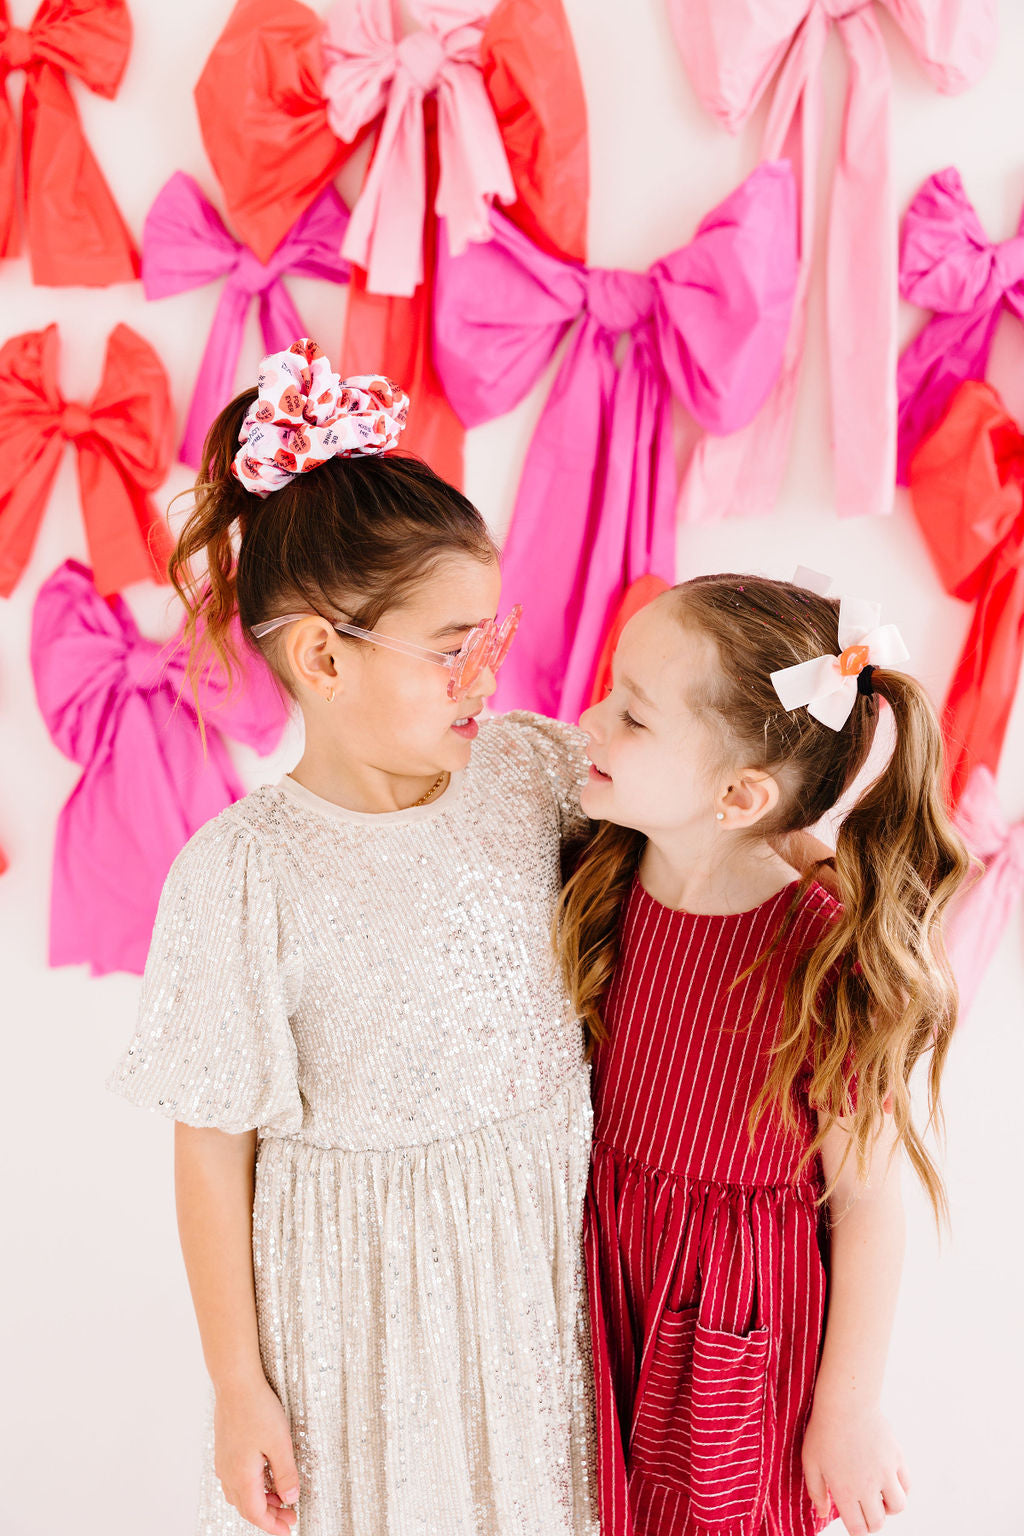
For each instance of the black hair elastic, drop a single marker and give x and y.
(864, 681)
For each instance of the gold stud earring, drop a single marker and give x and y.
(330, 695)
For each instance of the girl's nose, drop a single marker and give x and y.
(588, 721)
(485, 683)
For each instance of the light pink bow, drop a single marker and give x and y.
(981, 911)
(369, 69)
(185, 244)
(950, 266)
(734, 50)
(596, 504)
(119, 705)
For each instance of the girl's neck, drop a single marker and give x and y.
(360, 786)
(722, 877)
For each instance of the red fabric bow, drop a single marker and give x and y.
(967, 490)
(76, 234)
(124, 445)
(264, 123)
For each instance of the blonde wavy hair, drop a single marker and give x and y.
(875, 995)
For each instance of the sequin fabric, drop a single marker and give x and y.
(378, 996)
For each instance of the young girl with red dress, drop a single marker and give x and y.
(753, 1039)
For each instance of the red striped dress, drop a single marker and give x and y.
(705, 1256)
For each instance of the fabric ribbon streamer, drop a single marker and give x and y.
(75, 234)
(121, 706)
(124, 444)
(949, 265)
(456, 107)
(967, 491)
(982, 908)
(734, 50)
(185, 244)
(596, 504)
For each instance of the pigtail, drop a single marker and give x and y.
(876, 993)
(209, 593)
(588, 918)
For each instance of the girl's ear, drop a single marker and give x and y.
(746, 799)
(310, 649)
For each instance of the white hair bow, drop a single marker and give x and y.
(828, 684)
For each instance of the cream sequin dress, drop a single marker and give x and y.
(378, 996)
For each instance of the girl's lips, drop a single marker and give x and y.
(597, 776)
(468, 729)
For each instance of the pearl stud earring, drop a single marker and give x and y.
(719, 815)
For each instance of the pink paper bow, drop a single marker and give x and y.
(369, 69)
(737, 50)
(596, 505)
(949, 265)
(110, 699)
(185, 244)
(983, 908)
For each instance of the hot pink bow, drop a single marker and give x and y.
(185, 244)
(949, 265)
(734, 50)
(369, 69)
(596, 505)
(983, 909)
(120, 705)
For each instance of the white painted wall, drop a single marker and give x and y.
(103, 1375)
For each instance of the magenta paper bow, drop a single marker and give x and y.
(185, 244)
(368, 69)
(982, 910)
(110, 699)
(737, 52)
(596, 504)
(950, 266)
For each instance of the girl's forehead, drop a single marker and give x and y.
(458, 588)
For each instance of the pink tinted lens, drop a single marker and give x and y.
(488, 647)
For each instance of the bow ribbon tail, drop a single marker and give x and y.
(385, 229)
(474, 166)
(76, 235)
(218, 369)
(25, 485)
(128, 539)
(10, 234)
(862, 282)
(571, 565)
(981, 695)
(982, 908)
(741, 474)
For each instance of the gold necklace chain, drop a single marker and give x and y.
(431, 791)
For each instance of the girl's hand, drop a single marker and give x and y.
(249, 1428)
(851, 1459)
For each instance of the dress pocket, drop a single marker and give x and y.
(699, 1422)
(727, 1425)
(660, 1439)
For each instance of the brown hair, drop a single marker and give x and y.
(875, 994)
(354, 536)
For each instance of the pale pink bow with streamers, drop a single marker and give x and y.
(185, 244)
(734, 50)
(370, 69)
(983, 908)
(596, 503)
(121, 706)
(304, 415)
(950, 266)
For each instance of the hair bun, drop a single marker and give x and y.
(305, 414)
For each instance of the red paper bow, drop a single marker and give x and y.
(76, 234)
(124, 446)
(967, 490)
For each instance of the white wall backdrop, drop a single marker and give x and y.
(104, 1380)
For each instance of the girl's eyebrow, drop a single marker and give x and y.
(635, 688)
(455, 629)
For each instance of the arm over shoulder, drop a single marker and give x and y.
(560, 750)
(213, 1045)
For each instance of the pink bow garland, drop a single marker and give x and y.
(949, 265)
(110, 699)
(734, 50)
(368, 69)
(596, 504)
(983, 908)
(185, 244)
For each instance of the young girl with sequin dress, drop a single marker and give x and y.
(753, 1040)
(352, 1011)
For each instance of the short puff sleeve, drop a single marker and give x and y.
(213, 1046)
